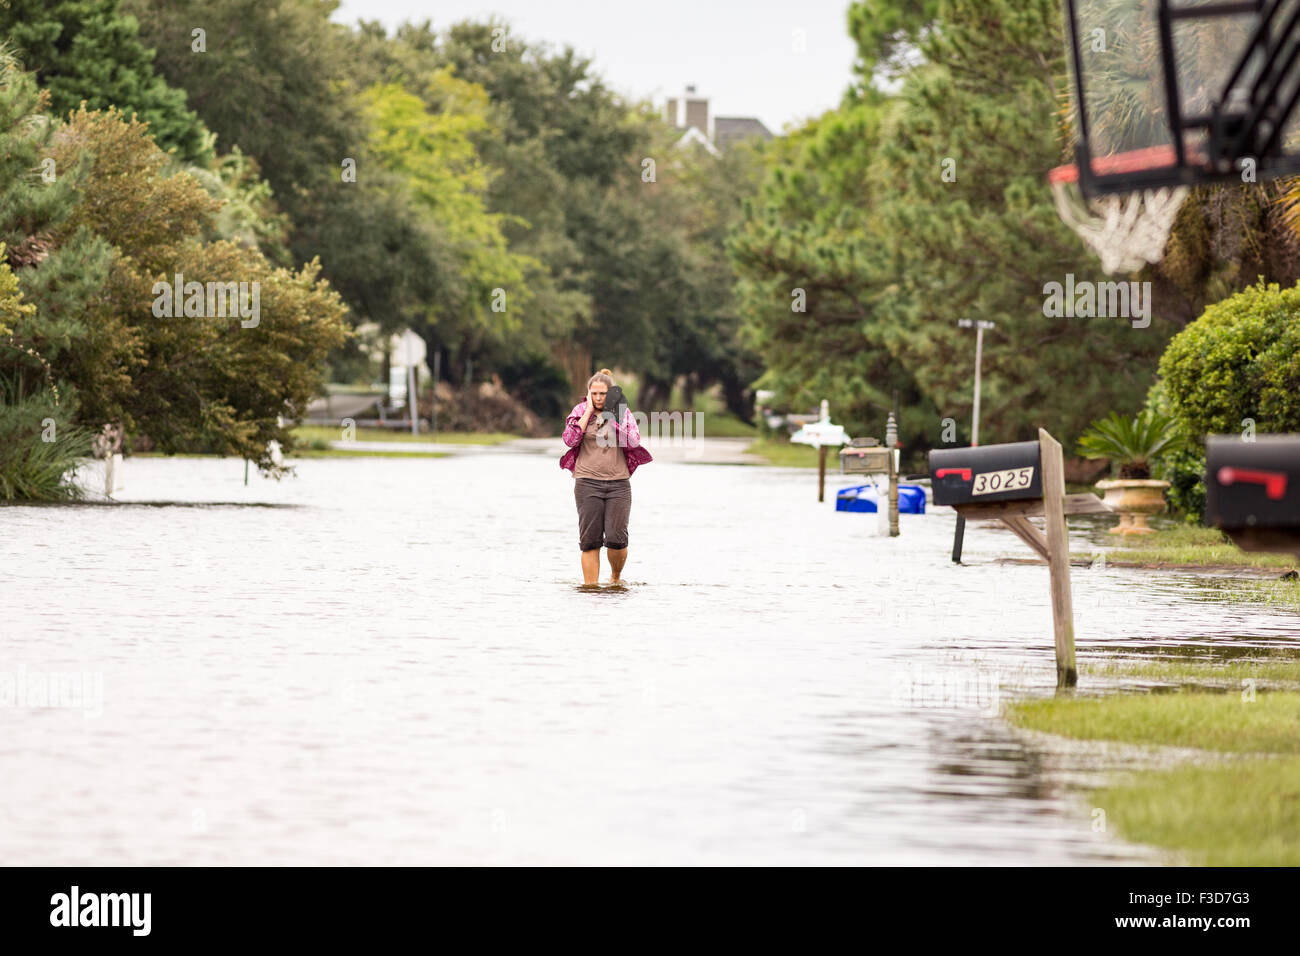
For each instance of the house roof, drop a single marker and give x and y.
(730, 129)
(693, 135)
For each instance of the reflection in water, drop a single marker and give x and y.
(400, 665)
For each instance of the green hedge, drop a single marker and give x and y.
(1240, 360)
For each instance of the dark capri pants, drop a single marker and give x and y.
(603, 510)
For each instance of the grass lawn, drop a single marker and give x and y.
(785, 454)
(1230, 813)
(468, 438)
(361, 453)
(306, 452)
(718, 422)
(725, 425)
(1207, 721)
(325, 433)
(1191, 547)
(1280, 670)
(1242, 814)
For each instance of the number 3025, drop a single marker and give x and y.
(1013, 479)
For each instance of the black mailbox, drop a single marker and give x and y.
(1010, 472)
(1253, 485)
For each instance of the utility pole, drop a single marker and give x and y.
(979, 325)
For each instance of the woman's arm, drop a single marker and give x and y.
(575, 425)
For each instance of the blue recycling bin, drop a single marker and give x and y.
(911, 499)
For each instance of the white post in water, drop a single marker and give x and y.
(821, 455)
(891, 439)
(411, 402)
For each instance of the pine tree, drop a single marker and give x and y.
(35, 194)
(89, 50)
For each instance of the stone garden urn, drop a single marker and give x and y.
(1134, 499)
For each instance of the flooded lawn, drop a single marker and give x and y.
(389, 661)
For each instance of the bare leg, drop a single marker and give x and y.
(591, 566)
(616, 560)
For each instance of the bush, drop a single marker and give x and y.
(1182, 465)
(1240, 360)
(1184, 469)
(31, 468)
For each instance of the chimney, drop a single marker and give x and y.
(697, 111)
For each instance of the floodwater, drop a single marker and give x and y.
(389, 661)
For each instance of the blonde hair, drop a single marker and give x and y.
(604, 375)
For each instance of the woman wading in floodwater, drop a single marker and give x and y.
(602, 455)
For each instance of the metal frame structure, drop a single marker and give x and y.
(1245, 122)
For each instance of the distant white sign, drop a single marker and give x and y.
(821, 433)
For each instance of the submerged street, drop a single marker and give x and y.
(391, 660)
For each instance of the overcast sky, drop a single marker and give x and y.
(739, 53)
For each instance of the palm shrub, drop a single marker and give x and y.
(1133, 443)
(39, 447)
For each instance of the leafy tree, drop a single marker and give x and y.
(1224, 239)
(694, 314)
(272, 80)
(569, 150)
(186, 381)
(248, 213)
(88, 50)
(984, 240)
(815, 276)
(888, 34)
(12, 307)
(899, 214)
(275, 81)
(446, 179)
(286, 84)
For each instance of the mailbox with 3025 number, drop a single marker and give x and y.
(1010, 472)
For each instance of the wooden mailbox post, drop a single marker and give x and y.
(999, 481)
(866, 456)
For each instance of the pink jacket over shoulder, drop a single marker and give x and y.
(629, 439)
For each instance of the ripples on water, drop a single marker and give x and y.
(394, 664)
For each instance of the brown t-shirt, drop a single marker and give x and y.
(603, 458)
